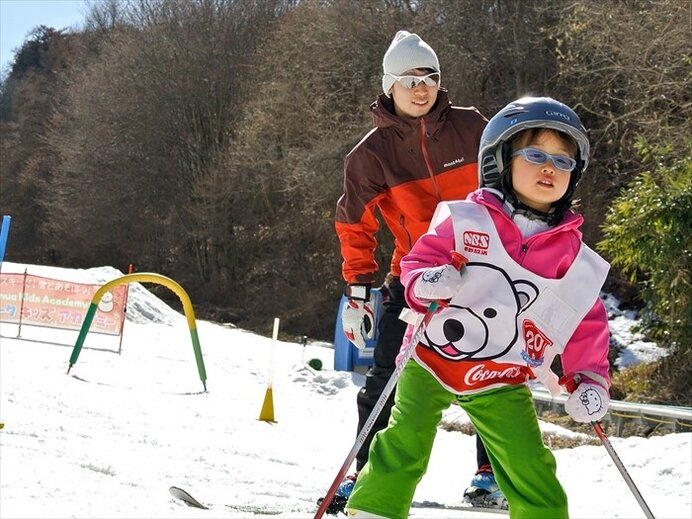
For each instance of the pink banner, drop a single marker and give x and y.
(39, 301)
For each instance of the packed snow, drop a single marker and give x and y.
(108, 439)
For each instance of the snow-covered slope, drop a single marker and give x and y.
(108, 439)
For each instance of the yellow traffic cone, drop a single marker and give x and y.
(267, 412)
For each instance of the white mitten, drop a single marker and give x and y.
(438, 283)
(587, 403)
(358, 320)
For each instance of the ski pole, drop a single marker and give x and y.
(621, 467)
(458, 261)
(571, 382)
(376, 410)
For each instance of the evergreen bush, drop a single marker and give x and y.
(648, 235)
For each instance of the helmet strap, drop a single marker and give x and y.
(512, 205)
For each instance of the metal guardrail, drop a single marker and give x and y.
(679, 419)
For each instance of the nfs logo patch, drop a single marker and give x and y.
(476, 242)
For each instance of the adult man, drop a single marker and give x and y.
(421, 151)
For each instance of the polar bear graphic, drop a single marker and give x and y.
(480, 322)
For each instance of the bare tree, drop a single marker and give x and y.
(316, 76)
(493, 51)
(205, 138)
(628, 64)
(105, 16)
(26, 163)
(141, 132)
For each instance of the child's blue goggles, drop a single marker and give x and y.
(536, 156)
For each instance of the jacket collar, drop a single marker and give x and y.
(384, 116)
(484, 196)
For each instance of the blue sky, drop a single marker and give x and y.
(19, 17)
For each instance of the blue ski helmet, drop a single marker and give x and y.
(524, 113)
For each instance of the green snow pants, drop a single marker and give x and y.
(505, 420)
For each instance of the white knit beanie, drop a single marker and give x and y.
(407, 51)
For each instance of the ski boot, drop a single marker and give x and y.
(484, 492)
(338, 504)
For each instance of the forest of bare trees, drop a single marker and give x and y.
(204, 139)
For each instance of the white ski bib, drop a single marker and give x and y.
(506, 321)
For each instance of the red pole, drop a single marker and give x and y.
(571, 382)
(623, 471)
(363, 434)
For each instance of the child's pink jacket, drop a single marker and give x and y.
(549, 254)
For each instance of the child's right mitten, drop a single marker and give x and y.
(438, 283)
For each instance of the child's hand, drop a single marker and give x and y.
(438, 283)
(587, 403)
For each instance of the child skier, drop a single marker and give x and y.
(528, 291)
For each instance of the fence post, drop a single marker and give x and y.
(130, 270)
(21, 305)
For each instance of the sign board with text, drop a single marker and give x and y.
(39, 301)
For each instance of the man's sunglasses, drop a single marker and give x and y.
(536, 156)
(431, 80)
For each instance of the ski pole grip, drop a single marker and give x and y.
(458, 260)
(571, 381)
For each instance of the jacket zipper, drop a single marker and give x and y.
(402, 222)
(424, 149)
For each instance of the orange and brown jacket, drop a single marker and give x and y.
(404, 167)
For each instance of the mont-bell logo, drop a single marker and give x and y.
(535, 344)
(476, 242)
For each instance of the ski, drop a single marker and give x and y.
(189, 500)
(467, 507)
(186, 497)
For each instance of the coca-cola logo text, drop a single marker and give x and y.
(480, 373)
